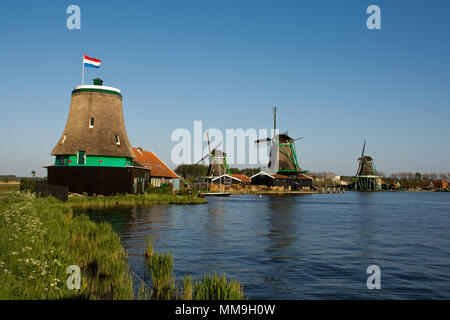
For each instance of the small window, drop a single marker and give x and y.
(61, 160)
(81, 157)
(117, 140)
(64, 139)
(91, 122)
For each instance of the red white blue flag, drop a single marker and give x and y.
(91, 62)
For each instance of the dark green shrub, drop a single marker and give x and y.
(27, 184)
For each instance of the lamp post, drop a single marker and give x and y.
(33, 173)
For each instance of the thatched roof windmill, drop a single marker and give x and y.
(283, 155)
(93, 154)
(367, 175)
(217, 161)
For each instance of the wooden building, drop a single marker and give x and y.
(93, 154)
(242, 177)
(440, 184)
(160, 172)
(293, 182)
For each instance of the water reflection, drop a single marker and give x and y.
(282, 219)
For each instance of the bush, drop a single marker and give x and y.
(166, 188)
(27, 184)
(187, 192)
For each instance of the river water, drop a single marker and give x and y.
(315, 246)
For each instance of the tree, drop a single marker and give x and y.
(443, 176)
(191, 170)
(418, 175)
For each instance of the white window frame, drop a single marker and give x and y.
(117, 140)
(90, 124)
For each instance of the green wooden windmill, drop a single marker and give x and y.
(283, 154)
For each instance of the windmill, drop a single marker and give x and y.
(367, 175)
(217, 161)
(218, 167)
(283, 155)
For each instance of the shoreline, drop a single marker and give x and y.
(126, 201)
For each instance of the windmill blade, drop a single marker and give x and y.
(263, 140)
(209, 142)
(274, 118)
(364, 147)
(298, 138)
(201, 160)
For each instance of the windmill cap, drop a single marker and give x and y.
(96, 87)
(97, 81)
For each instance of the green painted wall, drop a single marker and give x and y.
(94, 161)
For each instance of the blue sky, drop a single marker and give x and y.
(334, 81)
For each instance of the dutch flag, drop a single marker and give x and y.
(91, 62)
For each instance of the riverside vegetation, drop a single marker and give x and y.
(39, 239)
(165, 286)
(100, 202)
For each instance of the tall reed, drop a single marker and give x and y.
(161, 269)
(165, 286)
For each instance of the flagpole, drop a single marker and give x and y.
(82, 72)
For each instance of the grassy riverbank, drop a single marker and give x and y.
(39, 240)
(101, 202)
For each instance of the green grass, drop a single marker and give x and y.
(6, 189)
(39, 239)
(165, 286)
(100, 202)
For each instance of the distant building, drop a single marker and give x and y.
(425, 185)
(440, 184)
(160, 172)
(295, 182)
(225, 179)
(242, 177)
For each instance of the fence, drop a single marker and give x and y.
(43, 189)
